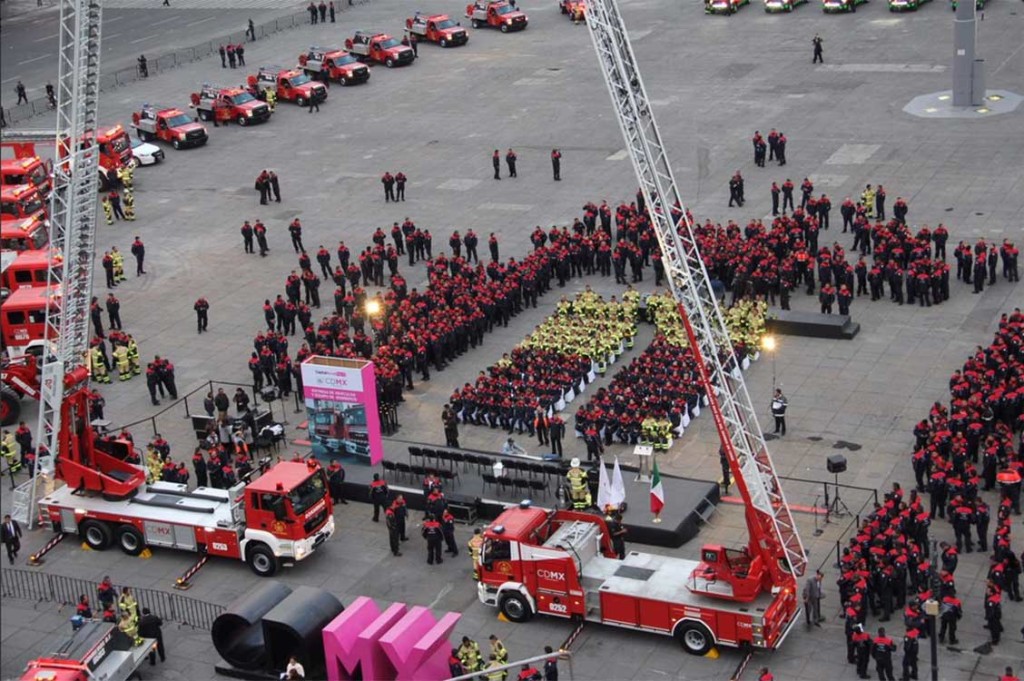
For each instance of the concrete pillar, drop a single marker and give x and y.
(964, 39)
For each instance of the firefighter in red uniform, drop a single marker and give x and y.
(765, 675)
(1009, 675)
(882, 649)
(950, 612)
(862, 645)
(378, 496)
(910, 647)
(432, 533)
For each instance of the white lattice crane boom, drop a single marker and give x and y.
(72, 230)
(773, 533)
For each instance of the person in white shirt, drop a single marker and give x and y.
(510, 448)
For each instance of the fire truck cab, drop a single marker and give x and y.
(290, 85)
(169, 125)
(20, 202)
(23, 235)
(27, 268)
(438, 28)
(561, 563)
(32, 171)
(496, 14)
(23, 316)
(379, 47)
(115, 148)
(341, 66)
(229, 104)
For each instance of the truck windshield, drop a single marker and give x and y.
(180, 119)
(347, 59)
(390, 42)
(495, 549)
(502, 9)
(447, 23)
(300, 79)
(30, 206)
(120, 143)
(38, 175)
(308, 493)
(242, 98)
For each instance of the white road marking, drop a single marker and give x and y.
(143, 39)
(45, 38)
(201, 21)
(445, 590)
(165, 21)
(29, 61)
(618, 155)
(883, 68)
(852, 154)
(113, 19)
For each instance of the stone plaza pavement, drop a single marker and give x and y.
(713, 81)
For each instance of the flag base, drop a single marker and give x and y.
(656, 520)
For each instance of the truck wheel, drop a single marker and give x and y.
(96, 534)
(176, 143)
(203, 115)
(475, 23)
(104, 181)
(262, 560)
(695, 638)
(10, 407)
(504, 28)
(130, 540)
(242, 120)
(444, 42)
(343, 81)
(300, 100)
(515, 607)
(134, 163)
(389, 62)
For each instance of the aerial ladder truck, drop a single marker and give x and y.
(561, 562)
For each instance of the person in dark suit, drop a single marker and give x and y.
(10, 534)
(150, 626)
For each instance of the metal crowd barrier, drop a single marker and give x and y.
(33, 585)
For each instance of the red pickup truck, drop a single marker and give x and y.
(170, 125)
(379, 47)
(290, 85)
(497, 14)
(437, 28)
(341, 66)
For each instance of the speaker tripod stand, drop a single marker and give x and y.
(836, 507)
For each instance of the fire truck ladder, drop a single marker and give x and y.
(72, 221)
(769, 519)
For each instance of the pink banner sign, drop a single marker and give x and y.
(341, 408)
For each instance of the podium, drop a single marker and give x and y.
(644, 454)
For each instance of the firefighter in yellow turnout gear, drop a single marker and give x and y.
(128, 204)
(118, 258)
(9, 449)
(124, 369)
(108, 210)
(133, 356)
(579, 490)
(99, 369)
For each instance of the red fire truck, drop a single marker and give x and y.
(115, 148)
(32, 171)
(27, 269)
(341, 66)
(20, 378)
(98, 650)
(561, 563)
(280, 518)
(23, 316)
(21, 201)
(24, 235)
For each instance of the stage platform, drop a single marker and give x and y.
(477, 499)
(811, 324)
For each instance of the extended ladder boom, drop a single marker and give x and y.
(770, 522)
(72, 227)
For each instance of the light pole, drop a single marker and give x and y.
(769, 344)
(931, 608)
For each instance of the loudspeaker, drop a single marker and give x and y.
(836, 463)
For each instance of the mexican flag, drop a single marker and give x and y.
(657, 491)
